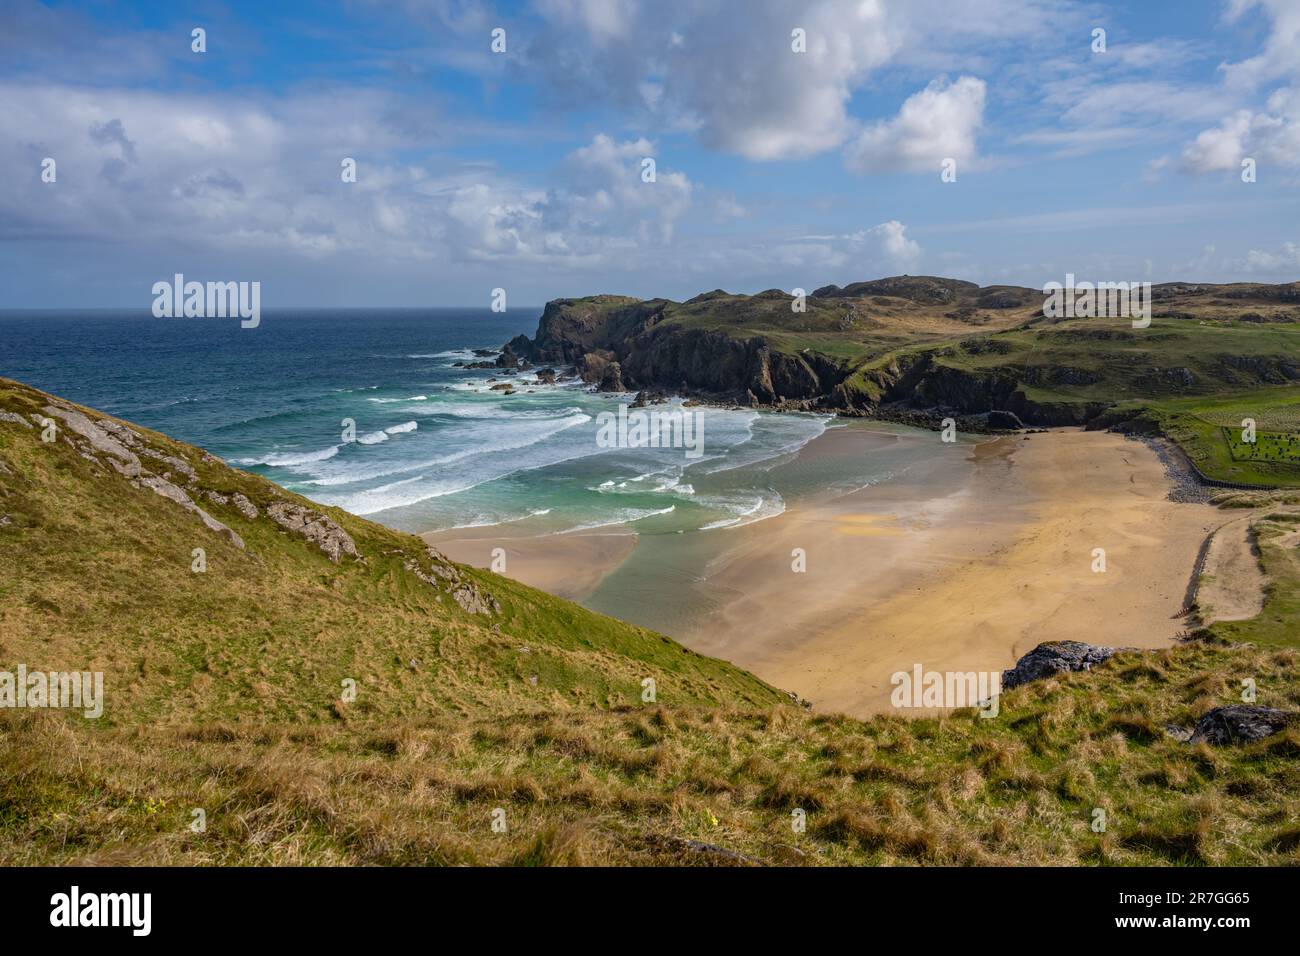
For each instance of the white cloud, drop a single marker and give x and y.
(898, 250)
(603, 19)
(1284, 261)
(1271, 136)
(733, 78)
(1281, 53)
(936, 123)
(220, 172)
(868, 253)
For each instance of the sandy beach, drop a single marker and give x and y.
(567, 565)
(965, 568)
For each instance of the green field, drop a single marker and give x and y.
(1209, 430)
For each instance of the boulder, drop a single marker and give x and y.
(1240, 723)
(649, 397)
(171, 461)
(1055, 657)
(592, 366)
(244, 506)
(474, 601)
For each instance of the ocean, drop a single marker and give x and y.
(435, 447)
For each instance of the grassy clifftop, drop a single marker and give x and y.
(480, 701)
(918, 346)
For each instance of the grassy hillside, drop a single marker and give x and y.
(223, 694)
(96, 574)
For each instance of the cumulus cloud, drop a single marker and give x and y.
(599, 205)
(939, 122)
(1271, 136)
(866, 253)
(896, 249)
(736, 82)
(228, 173)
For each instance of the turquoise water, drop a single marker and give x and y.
(435, 448)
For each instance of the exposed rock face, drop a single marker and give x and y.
(241, 503)
(111, 439)
(507, 358)
(1004, 420)
(171, 461)
(918, 381)
(1055, 657)
(464, 592)
(1241, 723)
(736, 348)
(163, 487)
(570, 328)
(471, 599)
(591, 366)
(122, 459)
(244, 506)
(317, 528)
(611, 379)
(15, 419)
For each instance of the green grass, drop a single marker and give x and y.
(1209, 430)
(629, 785)
(223, 694)
(1277, 532)
(1267, 447)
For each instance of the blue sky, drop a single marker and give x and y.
(522, 169)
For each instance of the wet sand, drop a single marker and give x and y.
(567, 565)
